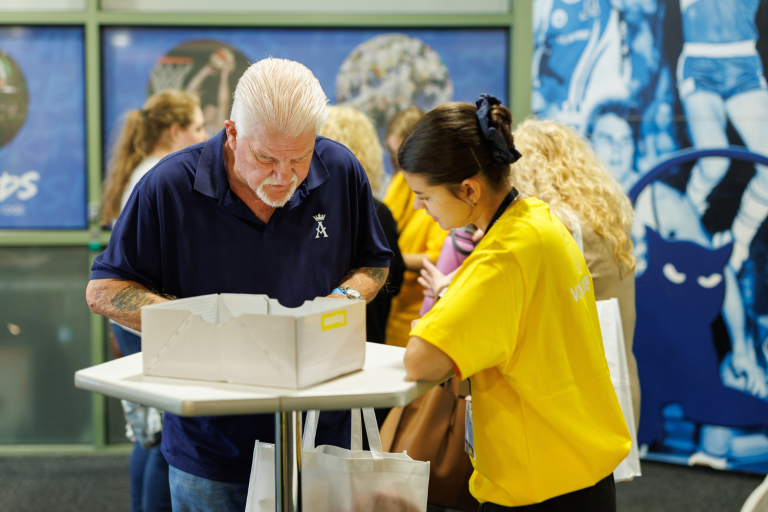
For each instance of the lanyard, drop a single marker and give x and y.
(502, 208)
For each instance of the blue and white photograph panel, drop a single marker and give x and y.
(656, 86)
(377, 71)
(42, 128)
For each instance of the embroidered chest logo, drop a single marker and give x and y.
(320, 228)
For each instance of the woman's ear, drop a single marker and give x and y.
(173, 132)
(470, 190)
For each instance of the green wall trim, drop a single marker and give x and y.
(23, 450)
(27, 238)
(43, 18)
(93, 108)
(256, 19)
(98, 402)
(521, 56)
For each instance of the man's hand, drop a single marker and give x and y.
(366, 280)
(120, 300)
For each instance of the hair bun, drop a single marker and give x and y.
(500, 115)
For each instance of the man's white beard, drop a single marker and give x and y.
(269, 180)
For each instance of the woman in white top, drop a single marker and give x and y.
(169, 121)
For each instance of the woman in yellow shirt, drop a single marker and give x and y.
(420, 236)
(519, 320)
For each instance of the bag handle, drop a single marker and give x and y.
(371, 427)
(310, 430)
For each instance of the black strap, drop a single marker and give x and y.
(502, 208)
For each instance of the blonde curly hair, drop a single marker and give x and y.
(353, 129)
(560, 168)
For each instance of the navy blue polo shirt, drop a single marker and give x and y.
(185, 233)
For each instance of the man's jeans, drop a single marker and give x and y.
(190, 493)
(149, 481)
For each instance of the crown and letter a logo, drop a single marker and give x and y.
(320, 228)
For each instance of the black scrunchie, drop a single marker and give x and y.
(501, 153)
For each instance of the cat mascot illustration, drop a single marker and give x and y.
(686, 409)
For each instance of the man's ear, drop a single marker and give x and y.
(231, 130)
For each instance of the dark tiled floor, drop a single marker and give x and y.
(100, 483)
(667, 488)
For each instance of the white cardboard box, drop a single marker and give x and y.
(252, 339)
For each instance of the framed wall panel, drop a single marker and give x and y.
(378, 71)
(42, 128)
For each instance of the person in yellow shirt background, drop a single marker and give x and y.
(545, 430)
(420, 236)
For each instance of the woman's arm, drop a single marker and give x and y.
(415, 261)
(433, 280)
(424, 361)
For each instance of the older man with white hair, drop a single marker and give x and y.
(265, 206)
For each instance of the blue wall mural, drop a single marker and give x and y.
(377, 71)
(42, 128)
(642, 79)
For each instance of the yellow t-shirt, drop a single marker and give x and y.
(520, 320)
(418, 234)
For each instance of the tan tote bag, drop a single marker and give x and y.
(431, 429)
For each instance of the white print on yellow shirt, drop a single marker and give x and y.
(580, 289)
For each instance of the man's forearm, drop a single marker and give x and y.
(367, 280)
(120, 300)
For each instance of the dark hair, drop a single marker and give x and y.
(447, 146)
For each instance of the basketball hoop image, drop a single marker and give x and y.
(206, 67)
(170, 72)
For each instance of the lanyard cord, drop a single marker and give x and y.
(502, 208)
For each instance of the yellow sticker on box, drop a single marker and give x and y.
(334, 320)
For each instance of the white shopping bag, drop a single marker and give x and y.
(339, 480)
(616, 357)
(261, 488)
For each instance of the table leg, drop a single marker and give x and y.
(288, 461)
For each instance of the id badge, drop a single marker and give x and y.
(469, 435)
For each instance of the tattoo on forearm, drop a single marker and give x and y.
(132, 298)
(377, 274)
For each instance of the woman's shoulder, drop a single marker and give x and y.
(525, 222)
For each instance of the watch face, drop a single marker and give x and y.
(352, 293)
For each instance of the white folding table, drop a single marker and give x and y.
(381, 383)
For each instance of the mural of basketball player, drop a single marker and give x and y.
(613, 139)
(576, 41)
(221, 62)
(683, 285)
(207, 67)
(720, 78)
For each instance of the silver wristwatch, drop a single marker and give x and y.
(351, 293)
